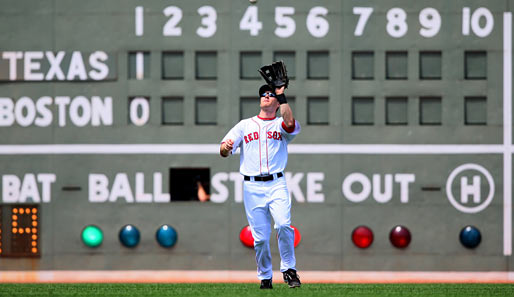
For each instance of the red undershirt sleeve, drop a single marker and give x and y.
(287, 129)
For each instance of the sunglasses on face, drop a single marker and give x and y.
(268, 93)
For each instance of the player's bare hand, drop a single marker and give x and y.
(226, 147)
(280, 91)
(229, 145)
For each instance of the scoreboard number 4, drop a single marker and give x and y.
(480, 22)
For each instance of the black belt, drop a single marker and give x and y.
(263, 178)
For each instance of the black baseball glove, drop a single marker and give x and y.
(275, 74)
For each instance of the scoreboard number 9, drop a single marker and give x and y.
(480, 21)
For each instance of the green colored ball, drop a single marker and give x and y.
(92, 236)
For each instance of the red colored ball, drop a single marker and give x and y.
(400, 237)
(246, 236)
(247, 239)
(362, 237)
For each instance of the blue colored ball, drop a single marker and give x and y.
(166, 236)
(129, 236)
(470, 237)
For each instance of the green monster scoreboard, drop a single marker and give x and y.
(111, 115)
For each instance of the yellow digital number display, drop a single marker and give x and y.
(20, 238)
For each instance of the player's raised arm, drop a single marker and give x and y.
(285, 109)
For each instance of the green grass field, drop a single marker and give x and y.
(242, 290)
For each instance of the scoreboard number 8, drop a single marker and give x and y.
(396, 22)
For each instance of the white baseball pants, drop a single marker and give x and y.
(263, 200)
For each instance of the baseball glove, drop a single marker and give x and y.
(275, 74)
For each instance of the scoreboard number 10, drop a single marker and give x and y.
(480, 21)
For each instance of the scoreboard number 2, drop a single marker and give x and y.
(170, 28)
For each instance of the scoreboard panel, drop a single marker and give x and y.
(110, 112)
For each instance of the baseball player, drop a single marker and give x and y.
(263, 141)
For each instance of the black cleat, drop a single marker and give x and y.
(266, 284)
(291, 278)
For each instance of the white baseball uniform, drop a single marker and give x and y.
(263, 146)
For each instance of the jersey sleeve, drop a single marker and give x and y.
(236, 135)
(290, 133)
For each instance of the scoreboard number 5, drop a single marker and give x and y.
(286, 25)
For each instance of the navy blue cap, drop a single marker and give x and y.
(265, 88)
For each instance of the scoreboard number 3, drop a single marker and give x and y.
(480, 21)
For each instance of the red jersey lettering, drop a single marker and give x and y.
(274, 135)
